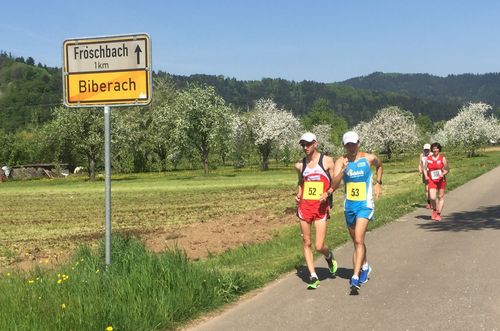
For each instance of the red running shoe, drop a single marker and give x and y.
(434, 215)
(438, 217)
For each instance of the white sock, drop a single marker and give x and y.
(355, 277)
(313, 274)
(365, 266)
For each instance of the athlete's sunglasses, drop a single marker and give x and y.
(306, 144)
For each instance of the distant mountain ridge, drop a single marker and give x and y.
(454, 89)
(352, 103)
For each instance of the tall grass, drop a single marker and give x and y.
(140, 291)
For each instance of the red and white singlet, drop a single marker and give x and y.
(316, 181)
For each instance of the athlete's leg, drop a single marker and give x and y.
(354, 254)
(320, 229)
(440, 203)
(432, 195)
(306, 237)
(427, 195)
(358, 235)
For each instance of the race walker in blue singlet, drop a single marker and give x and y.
(354, 168)
(358, 201)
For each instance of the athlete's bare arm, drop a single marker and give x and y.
(446, 168)
(298, 168)
(338, 171)
(377, 163)
(329, 165)
(426, 170)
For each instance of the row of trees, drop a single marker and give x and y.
(184, 128)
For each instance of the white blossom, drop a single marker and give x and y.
(392, 130)
(326, 146)
(272, 128)
(470, 129)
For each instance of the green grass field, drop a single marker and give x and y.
(55, 215)
(145, 291)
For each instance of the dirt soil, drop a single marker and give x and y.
(214, 237)
(198, 240)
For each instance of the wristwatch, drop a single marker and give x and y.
(379, 182)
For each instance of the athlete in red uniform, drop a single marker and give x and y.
(437, 168)
(314, 202)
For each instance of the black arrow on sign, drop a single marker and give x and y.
(138, 50)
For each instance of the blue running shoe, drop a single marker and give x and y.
(363, 275)
(355, 285)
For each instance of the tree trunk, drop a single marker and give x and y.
(204, 158)
(205, 164)
(91, 167)
(265, 150)
(389, 152)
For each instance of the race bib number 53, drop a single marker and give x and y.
(356, 191)
(313, 190)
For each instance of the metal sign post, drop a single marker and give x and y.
(103, 72)
(107, 169)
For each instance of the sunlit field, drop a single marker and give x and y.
(53, 215)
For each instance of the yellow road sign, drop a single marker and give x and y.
(107, 71)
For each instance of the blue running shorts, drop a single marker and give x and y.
(352, 215)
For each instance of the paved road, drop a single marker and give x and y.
(426, 276)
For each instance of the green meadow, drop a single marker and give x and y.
(146, 291)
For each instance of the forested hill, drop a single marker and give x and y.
(454, 89)
(353, 104)
(29, 91)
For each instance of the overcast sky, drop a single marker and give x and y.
(325, 41)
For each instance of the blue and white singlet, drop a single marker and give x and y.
(358, 185)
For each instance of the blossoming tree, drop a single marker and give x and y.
(272, 128)
(323, 133)
(470, 129)
(392, 130)
(204, 116)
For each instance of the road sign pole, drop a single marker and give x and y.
(102, 72)
(107, 166)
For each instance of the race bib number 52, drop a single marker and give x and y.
(313, 190)
(356, 191)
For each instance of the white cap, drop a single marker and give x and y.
(350, 137)
(427, 146)
(309, 137)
